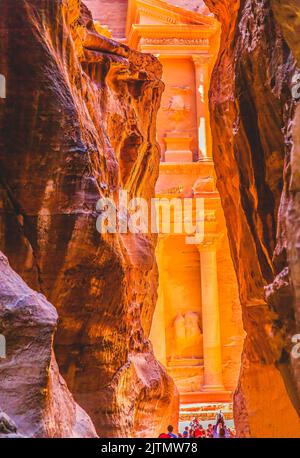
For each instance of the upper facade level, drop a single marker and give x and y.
(113, 13)
(185, 38)
(186, 42)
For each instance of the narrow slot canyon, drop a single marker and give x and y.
(149, 227)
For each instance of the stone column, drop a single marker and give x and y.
(202, 80)
(213, 380)
(158, 328)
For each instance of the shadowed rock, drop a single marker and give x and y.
(32, 392)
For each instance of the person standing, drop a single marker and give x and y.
(209, 431)
(170, 432)
(186, 433)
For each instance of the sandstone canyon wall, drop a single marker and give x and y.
(112, 13)
(255, 125)
(78, 124)
(193, 5)
(32, 392)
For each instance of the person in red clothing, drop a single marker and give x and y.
(200, 432)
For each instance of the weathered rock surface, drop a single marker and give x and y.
(287, 16)
(110, 13)
(8, 428)
(78, 124)
(193, 5)
(255, 124)
(35, 398)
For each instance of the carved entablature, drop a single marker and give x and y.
(172, 35)
(158, 15)
(156, 23)
(175, 41)
(140, 11)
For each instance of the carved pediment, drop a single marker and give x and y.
(161, 12)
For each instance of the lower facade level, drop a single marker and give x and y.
(197, 331)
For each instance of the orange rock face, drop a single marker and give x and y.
(256, 140)
(78, 124)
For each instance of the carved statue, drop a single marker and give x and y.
(188, 336)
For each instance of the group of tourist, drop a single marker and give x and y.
(196, 431)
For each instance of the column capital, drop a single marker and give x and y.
(211, 242)
(201, 59)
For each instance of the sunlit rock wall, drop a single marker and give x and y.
(78, 124)
(255, 125)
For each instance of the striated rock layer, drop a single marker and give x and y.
(35, 398)
(78, 124)
(255, 125)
